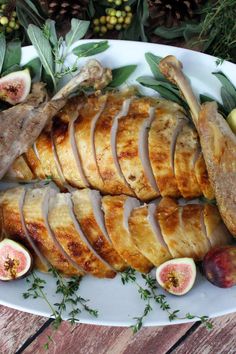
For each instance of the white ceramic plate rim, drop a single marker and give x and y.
(118, 304)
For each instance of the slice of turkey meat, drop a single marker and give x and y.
(34, 163)
(19, 171)
(203, 178)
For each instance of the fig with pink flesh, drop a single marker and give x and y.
(15, 87)
(177, 276)
(219, 266)
(15, 260)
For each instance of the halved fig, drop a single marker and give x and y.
(177, 276)
(15, 87)
(15, 260)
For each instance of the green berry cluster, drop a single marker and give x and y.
(8, 24)
(114, 18)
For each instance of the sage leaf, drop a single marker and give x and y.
(226, 84)
(120, 75)
(153, 62)
(12, 55)
(12, 69)
(228, 101)
(78, 29)
(50, 28)
(170, 33)
(89, 49)
(2, 50)
(35, 67)
(44, 50)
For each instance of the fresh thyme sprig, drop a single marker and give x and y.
(68, 289)
(148, 293)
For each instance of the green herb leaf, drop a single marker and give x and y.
(2, 50)
(89, 49)
(120, 75)
(227, 84)
(12, 55)
(50, 31)
(153, 61)
(12, 69)
(228, 101)
(43, 49)
(78, 29)
(35, 67)
(170, 33)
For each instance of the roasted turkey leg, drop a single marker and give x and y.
(218, 143)
(21, 125)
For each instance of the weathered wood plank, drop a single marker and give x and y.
(221, 339)
(88, 339)
(15, 328)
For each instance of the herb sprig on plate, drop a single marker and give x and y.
(149, 293)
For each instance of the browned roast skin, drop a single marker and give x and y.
(11, 223)
(84, 137)
(203, 178)
(72, 241)
(113, 182)
(128, 148)
(19, 171)
(34, 163)
(219, 149)
(114, 218)
(145, 238)
(85, 215)
(187, 146)
(168, 120)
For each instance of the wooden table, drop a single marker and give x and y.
(25, 333)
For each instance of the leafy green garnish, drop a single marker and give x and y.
(149, 293)
(89, 49)
(120, 75)
(2, 49)
(78, 30)
(12, 55)
(35, 67)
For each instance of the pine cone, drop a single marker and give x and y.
(170, 13)
(66, 9)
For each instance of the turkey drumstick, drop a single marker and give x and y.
(217, 140)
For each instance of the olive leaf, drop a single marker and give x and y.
(29, 12)
(89, 49)
(170, 33)
(35, 67)
(2, 49)
(44, 50)
(12, 55)
(120, 75)
(153, 62)
(78, 30)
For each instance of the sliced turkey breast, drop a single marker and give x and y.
(203, 178)
(35, 210)
(117, 210)
(105, 146)
(84, 129)
(65, 146)
(132, 154)
(146, 234)
(19, 171)
(168, 122)
(14, 225)
(186, 150)
(32, 159)
(169, 215)
(70, 235)
(217, 232)
(44, 146)
(87, 209)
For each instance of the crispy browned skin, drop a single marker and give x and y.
(203, 178)
(61, 136)
(217, 232)
(145, 238)
(19, 171)
(128, 148)
(34, 163)
(85, 140)
(114, 218)
(12, 226)
(187, 147)
(85, 215)
(168, 117)
(219, 149)
(64, 230)
(45, 150)
(113, 182)
(38, 232)
(194, 230)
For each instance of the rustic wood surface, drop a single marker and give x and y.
(25, 333)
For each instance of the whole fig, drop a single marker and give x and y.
(219, 266)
